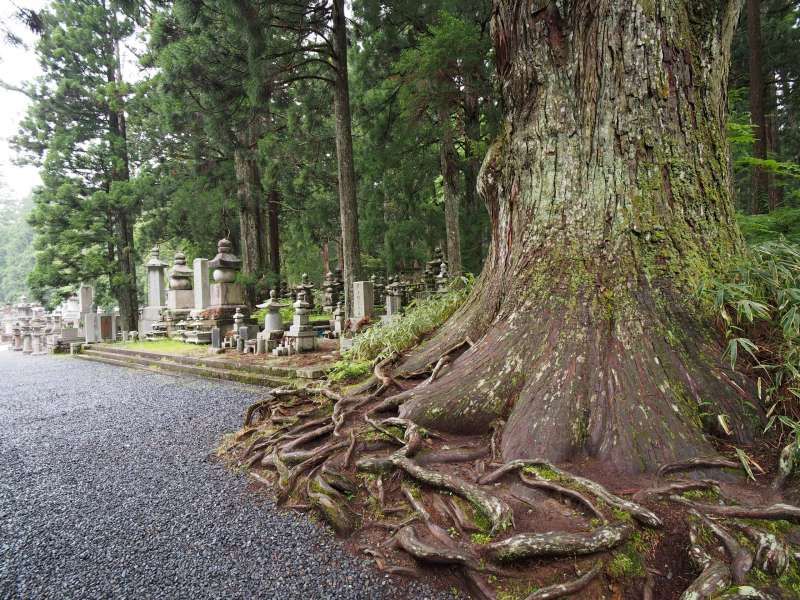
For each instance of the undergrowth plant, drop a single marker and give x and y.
(394, 337)
(758, 303)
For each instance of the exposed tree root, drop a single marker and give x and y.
(558, 543)
(715, 575)
(409, 541)
(359, 453)
(741, 559)
(745, 592)
(641, 514)
(563, 491)
(676, 488)
(498, 512)
(698, 463)
(786, 465)
(565, 589)
(774, 512)
(772, 554)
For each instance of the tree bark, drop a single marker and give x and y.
(250, 193)
(348, 207)
(273, 224)
(123, 283)
(449, 167)
(474, 222)
(760, 178)
(609, 198)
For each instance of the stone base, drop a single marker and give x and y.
(226, 294)
(180, 300)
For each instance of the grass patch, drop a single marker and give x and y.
(480, 538)
(167, 346)
(349, 370)
(542, 473)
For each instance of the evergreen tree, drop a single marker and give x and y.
(76, 131)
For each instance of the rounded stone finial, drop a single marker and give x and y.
(443, 269)
(273, 295)
(224, 246)
(304, 278)
(180, 258)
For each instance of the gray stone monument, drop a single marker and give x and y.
(155, 292)
(273, 324)
(301, 336)
(363, 300)
(180, 297)
(202, 289)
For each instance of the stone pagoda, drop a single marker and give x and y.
(270, 338)
(151, 313)
(180, 297)
(306, 286)
(301, 336)
(226, 294)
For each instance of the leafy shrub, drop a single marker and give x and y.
(421, 318)
(384, 339)
(759, 305)
(782, 223)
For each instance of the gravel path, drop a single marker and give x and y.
(106, 490)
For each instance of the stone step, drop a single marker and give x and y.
(232, 365)
(166, 365)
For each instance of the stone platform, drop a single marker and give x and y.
(231, 366)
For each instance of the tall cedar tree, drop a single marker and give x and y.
(76, 130)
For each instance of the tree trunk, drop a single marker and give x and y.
(775, 192)
(447, 158)
(123, 283)
(609, 197)
(273, 224)
(760, 179)
(474, 221)
(249, 193)
(348, 207)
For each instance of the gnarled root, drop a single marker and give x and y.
(698, 463)
(544, 484)
(331, 504)
(678, 487)
(565, 589)
(774, 512)
(715, 575)
(425, 552)
(741, 559)
(558, 543)
(772, 554)
(745, 592)
(641, 514)
(498, 512)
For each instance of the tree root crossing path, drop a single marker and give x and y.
(109, 488)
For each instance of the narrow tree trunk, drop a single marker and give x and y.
(449, 167)
(760, 179)
(773, 145)
(348, 207)
(474, 223)
(609, 198)
(250, 193)
(273, 224)
(123, 284)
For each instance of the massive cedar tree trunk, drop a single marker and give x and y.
(609, 197)
(348, 208)
(449, 167)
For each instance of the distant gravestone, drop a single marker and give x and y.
(363, 300)
(216, 338)
(202, 286)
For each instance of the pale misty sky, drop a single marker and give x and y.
(17, 65)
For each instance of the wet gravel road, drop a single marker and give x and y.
(107, 491)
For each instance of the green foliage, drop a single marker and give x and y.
(758, 303)
(782, 223)
(16, 248)
(349, 370)
(481, 538)
(421, 318)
